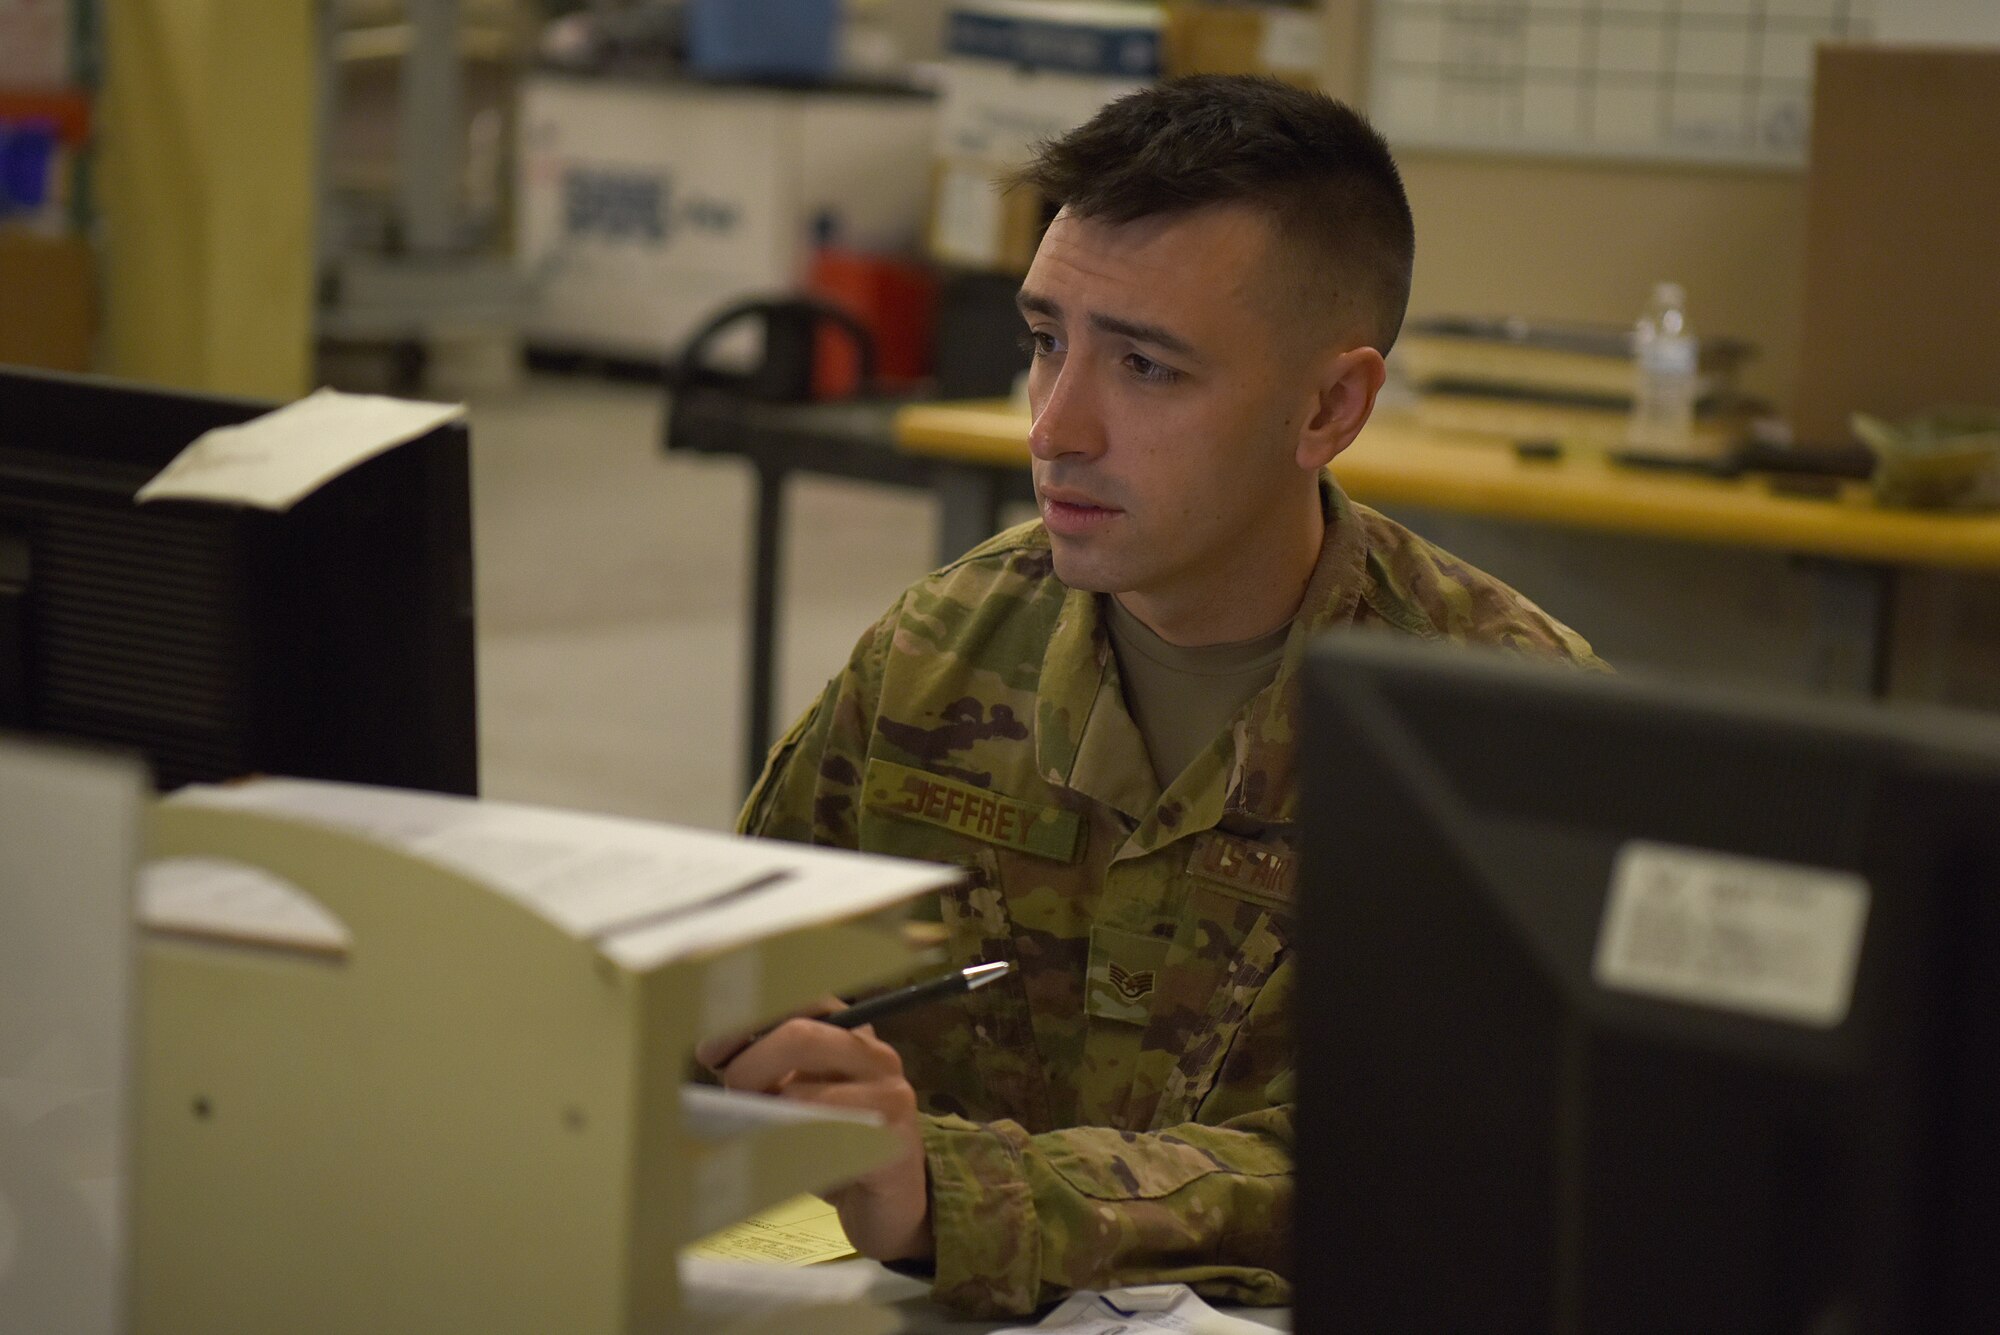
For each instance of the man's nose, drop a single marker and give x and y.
(1070, 420)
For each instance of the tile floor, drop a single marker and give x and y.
(612, 584)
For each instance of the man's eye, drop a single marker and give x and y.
(1036, 343)
(1147, 369)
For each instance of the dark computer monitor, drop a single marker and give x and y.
(1640, 1010)
(332, 641)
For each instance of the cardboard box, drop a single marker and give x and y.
(976, 224)
(647, 206)
(1018, 72)
(48, 301)
(992, 112)
(1901, 267)
(1283, 42)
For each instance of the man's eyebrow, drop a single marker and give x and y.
(1157, 336)
(1036, 303)
(1144, 333)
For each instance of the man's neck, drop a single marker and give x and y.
(1247, 599)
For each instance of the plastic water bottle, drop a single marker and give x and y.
(1668, 381)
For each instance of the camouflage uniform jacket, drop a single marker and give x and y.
(1117, 1110)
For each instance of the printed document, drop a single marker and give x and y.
(275, 461)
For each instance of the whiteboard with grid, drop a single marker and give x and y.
(1696, 80)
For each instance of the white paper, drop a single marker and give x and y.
(727, 1290)
(592, 876)
(709, 1113)
(275, 461)
(726, 1120)
(645, 893)
(1169, 1307)
(213, 898)
(967, 222)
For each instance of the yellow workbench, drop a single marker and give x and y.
(972, 457)
(1395, 463)
(1859, 553)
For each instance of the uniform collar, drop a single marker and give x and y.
(1086, 741)
(1260, 787)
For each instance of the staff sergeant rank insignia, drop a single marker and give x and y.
(1124, 966)
(1131, 986)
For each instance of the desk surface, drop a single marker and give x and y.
(909, 1299)
(1395, 463)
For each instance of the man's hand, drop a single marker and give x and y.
(716, 1053)
(886, 1211)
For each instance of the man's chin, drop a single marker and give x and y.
(1077, 571)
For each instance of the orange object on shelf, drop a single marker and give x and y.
(895, 299)
(67, 110)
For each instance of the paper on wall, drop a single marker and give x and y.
(275, 461)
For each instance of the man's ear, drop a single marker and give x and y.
(1344, 390)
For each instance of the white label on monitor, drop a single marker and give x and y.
(1771, 939)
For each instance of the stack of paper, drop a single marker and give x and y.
(644, 893)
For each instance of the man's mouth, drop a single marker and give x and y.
(1072, 512)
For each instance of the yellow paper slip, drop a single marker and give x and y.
(799, 1231)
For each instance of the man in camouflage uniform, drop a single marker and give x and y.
(1208, 315)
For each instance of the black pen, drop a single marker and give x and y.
(902, 999)
(916, 994)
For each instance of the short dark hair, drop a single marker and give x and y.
(1312, 163)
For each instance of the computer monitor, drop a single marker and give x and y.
(331, 641)
(1635, 1009)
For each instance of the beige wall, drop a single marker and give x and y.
(1563, 240)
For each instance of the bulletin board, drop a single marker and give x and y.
(1721, 81)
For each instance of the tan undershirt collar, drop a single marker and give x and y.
(1181, 696)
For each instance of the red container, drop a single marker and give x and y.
(895, 299)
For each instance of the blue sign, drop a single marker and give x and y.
(1128, 51)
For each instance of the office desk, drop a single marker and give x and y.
(974, 457)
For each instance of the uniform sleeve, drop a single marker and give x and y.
(1020, 1220)
(812, 779)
